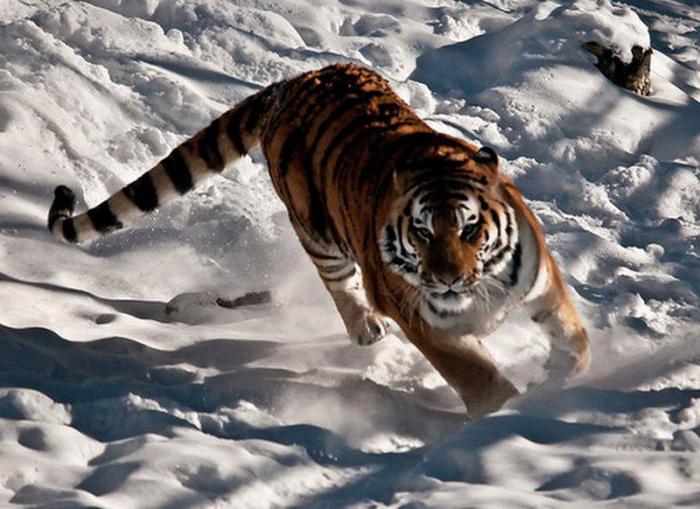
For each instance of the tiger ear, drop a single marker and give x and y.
(486, 156)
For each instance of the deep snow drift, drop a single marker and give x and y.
(122, 384)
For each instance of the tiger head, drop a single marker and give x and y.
(448, 235)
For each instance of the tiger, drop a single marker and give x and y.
(403, 223)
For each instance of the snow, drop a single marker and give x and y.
(123, 384)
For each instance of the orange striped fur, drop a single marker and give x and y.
(401, 221)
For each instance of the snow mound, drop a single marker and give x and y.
(553, 103)
(550, 33)
(616, 27)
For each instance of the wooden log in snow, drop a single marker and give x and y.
(633, 75)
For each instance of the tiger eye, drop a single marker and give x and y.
(424, 234)
(469, 232)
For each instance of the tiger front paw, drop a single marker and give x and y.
(369, 329)
(564, 364)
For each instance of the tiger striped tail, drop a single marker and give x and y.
(208, 152)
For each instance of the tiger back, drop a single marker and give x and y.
(401, 221)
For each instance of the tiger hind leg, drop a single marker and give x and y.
(343, 280)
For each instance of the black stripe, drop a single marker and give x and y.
(428, 180)
(482, 202)
(103, 219)
(291, 144)
(321, 256)
(341, 110)
(400, 233)
(517, 262)
(290, 149)
(317, 212)
(414, 145)
(347, 271)
(359, 123)
(55, 216)
(496, 220)
(208, 147)
(443, 192)
(390, 233)
(497, 257)
(443, 164)
(300, 98)
(393, 151)
(254, 109)
(309, 84)
(461, 197)
(233, 130)
(403, 265)
(142, 193)
(62, 206)
(293, 147)
(380, 125)
(509, 220)
(178, 172)
(441, 314)
(426, 185)
(69, 232)
(339, 278)
(419, 184)
(298, 101)
(330, 269)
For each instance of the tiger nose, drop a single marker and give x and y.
(448, 280)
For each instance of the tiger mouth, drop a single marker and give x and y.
(449, 302)
(450, 294)
(444, 309)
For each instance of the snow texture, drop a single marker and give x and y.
(123, 384)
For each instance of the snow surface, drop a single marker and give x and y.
(122, 384)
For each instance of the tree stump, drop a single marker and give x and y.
(633, 75)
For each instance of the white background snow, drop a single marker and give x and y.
(108, 400)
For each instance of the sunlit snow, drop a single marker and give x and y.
(111, 398)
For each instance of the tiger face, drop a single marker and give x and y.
(452, 240)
